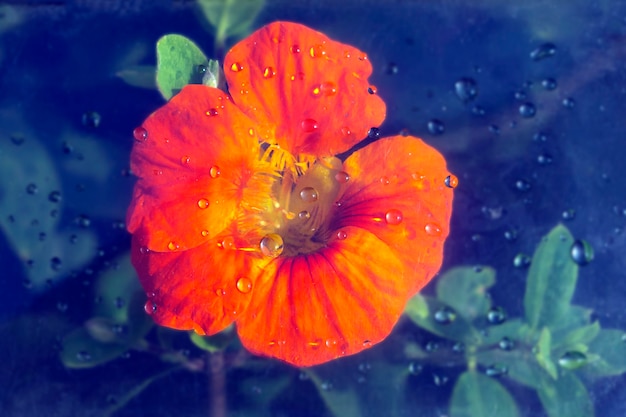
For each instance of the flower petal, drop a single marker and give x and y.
(397, 192)
(308, 92)
(205, 288)
(198, 152)
(313, 308)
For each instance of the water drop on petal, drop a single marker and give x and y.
(295, 49)
(309, 125)
(212, 112)
(236, 67)
(304, 215)
(214, 171)
(269, 72)
(271, 245)
(150, 307)
(203, 203)
(451, 181)
(173, 246)
(341, 235)
(244, 285)
(140, 134)
(317, 51)
(393, 217)
(432, 229)
(342, 177)
(309, 195)
(466, 89)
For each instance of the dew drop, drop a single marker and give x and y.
(451, 181)
(304, 215)
(203, 203)
(91, 119)
(220, 292)
(17, 139)
(444, 315)
(496, 315)
(214, 171)
(568, 214)
(317, 51)
(32, 188)
(346, 132)
(506, 344)
(173, 246)
(185, 159)
(330, 342)
(373, 133)
(582, 252)
(236, 67)
(527, 110)
(309, 125)
(415, 368)
(372, 89)
(572, 360)
(520, 95)
(521, 260)
(150, 307)
(549, 84)
(56, 263)
(466, 89)
(543, 51)
(227, 243)
(328, 88)
(544, 159)
(83, 356)
(204, 233)
(522, 185)
(435, 127)
(211, 112)
(309, 195)
(432, 229)
(244, 285)
(341, 235)
(569, 103)
(496, 370)
(271, 245)
(269, 72)
(295, 49)
(478, 111)
(140, 134)
(391, 68)
(342, 177)
(393, 217)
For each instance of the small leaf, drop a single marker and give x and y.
(80, 350)
(565, 397)
(115, 289)
(179, 62)
(422, 311)
(513, 329)
(607, 353)
(464, 289)
(578, 336)
(544, 349)
(230, 17)
(142, 76)
(551, 280)
(214, 343)
(337, 392)
(478, 395)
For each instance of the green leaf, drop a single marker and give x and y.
(142, 76)
(464, 289)
(214, 343)
(520, 363)
(115, 290)
(565, 397)
(422, 310)
(230, 17)
(179, 62)
(551, 280)
(513, 329)
(543, 351)
(81, 350)
(477, 395)
(337, 392)
(607, 353)
(576, 337)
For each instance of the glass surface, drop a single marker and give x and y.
(526, 101)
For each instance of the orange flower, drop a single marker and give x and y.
(242, 213)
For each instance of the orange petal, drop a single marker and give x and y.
(397, 192)
(205, 288)
(309, 93)
(192, 167)
(313, 308)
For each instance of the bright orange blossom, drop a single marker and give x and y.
(242, 213)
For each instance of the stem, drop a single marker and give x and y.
(217, 384)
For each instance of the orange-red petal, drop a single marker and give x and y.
(203, 289)
(307, 92)
(397, 191)
(193, 164)
(313, 308)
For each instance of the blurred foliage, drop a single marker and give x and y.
(552, 349)
(230, 18)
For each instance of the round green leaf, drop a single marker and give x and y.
(479, 395)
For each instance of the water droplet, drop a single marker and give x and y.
(393, 217)
(544, 159)
(309, 195)
(568, 214)
(82, 221)
(304, 215)
(373, 133)
(244, 285)
(391, 68)
(569, 103)
(271, 245)
(543, 51)
(522, 185)
(581, 252)
(341, 235)
(549, 84)
(415, 368)
(91, 119)
(521, 260)
(451, 181)
(496, 370)
(328, 88)
(204, 233)
(295, 49)
(269, 72)
(185, 159)
(55, 263)
(572, 360)
(220, 292)
(436, 127)
(346, 132)
(226, 243)
(173, 246)
(384, 180)
(215, 172)
(17, 139)
(478, 110)
(317, 51)
(203, 203)
(496, 315)
(32, 188)
(150, 307)
(466, 89)
(444, 315)
(372, 89)
(83, 356)
(309, 125)
(342, 177)
(527, 110)
(236, 67)
(440, 380)
(520, 95)
(506, 344)
(432, 229)
(211, 112)
(140, 134)
(330, 342)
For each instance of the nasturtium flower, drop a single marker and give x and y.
(244, 214)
